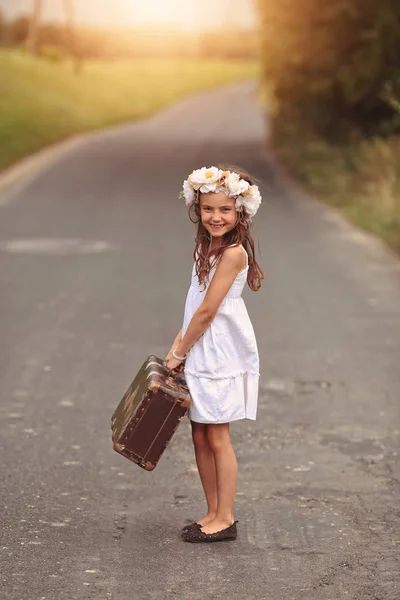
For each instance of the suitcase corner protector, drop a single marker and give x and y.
(186, 402)
(148, 466)
(118, 447)
(154, 386)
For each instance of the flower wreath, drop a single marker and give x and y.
(212, 179)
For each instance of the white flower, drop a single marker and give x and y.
(236, 185)
(189, 193)
(212, 179)
(252, 200)
(205, 179)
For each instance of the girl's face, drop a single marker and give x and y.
(218, 213)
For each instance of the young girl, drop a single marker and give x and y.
(217, 339)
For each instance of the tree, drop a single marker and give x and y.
(329, 63)
(71, 35)
(32, 40)
(2, 28)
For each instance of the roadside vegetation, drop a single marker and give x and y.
(331, 81)
(43, 101)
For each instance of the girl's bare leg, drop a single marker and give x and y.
(206, 465)
(226, 468)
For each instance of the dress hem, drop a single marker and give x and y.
(222, 422)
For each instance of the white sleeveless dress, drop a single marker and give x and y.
(222, 367)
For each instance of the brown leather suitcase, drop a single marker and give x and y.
(149, 413)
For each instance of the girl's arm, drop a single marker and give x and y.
(174, 344)
(231, 263)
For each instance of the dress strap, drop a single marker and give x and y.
(247, 257)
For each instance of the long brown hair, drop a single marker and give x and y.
(240, 234)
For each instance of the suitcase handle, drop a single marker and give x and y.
(173, 372)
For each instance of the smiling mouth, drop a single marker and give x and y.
(216, 226)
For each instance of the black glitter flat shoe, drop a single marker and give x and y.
(190, 527)
(196, 535)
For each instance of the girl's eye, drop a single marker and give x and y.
(207, 209)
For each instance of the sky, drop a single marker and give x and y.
(187, 14)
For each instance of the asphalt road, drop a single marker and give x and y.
(95, 260)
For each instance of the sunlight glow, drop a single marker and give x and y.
(177, 13)
(191, 15)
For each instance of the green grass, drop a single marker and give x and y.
(43, 102)
(361, 178)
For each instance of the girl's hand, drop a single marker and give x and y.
(173, 363)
